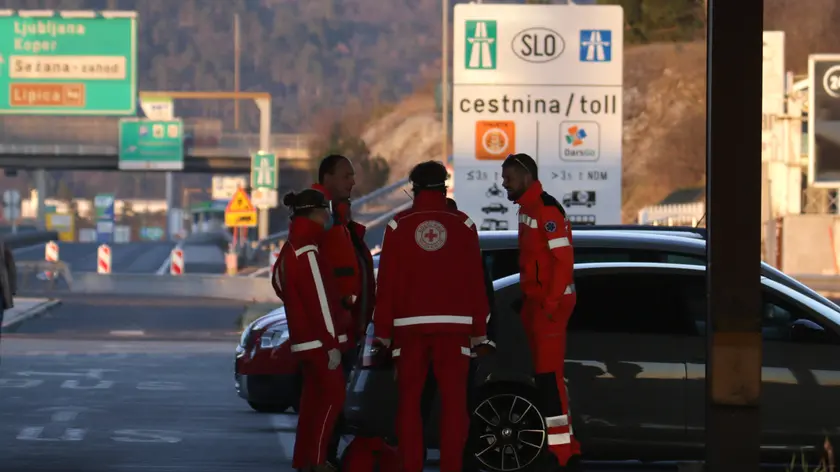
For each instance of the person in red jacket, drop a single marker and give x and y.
(318, 328)
(431, 301)
(546, 265)
(343, 246)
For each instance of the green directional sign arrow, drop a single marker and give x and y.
(151, 144)
(68, 62)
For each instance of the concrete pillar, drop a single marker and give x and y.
(733, 159)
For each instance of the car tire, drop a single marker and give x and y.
(268, 407)
(522, 440)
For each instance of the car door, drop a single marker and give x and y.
(800, 374)
(625, 360)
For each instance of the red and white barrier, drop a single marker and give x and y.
(272, 259)
(103, 259)
(176, 262)
(51, 252)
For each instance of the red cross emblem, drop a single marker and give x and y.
(430, 235)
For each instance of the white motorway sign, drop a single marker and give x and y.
(545, 80)
(773, 97)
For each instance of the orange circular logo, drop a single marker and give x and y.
(495, 141)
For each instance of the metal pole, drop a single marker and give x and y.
(733, 188)
(236, 56)
(170, 203)
(41, 187)
(264, 105)
(444, 80)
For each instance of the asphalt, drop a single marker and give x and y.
(134, 257)
(124, 384)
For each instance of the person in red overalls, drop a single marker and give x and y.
(318, 328)
(432, 302)
(344, 248)
(546, 265)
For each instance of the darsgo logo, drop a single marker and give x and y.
(575, 136)
(580, 141)
(480, 44)
(595, 46)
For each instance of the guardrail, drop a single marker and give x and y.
(28, 238)
(55, 279)
(264, 244)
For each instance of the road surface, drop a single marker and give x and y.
(124, 384)
(134, 257)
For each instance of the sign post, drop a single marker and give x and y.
(560, 102)
(240, 213)
(11, 208)
(103, 205)
(264, 183)
(151, 144)
(824, 121)
(68, 62)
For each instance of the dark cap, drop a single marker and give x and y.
(429, 175)
(522, 160)
(306, 200)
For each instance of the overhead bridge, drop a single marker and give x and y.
(91, 143)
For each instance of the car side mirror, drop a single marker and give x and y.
(806, 331)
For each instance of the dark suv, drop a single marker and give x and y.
(371, 394)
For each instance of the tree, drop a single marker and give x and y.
(649, 21)
(371, 171)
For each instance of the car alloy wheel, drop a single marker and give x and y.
(510, 430)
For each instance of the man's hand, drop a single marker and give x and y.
(348, 302)
(334, 356)
(482, 346)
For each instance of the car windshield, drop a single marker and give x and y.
(778, 276)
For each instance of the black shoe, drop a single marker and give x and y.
(573, 465)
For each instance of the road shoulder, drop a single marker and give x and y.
(26, 308)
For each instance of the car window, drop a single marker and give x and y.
(777, 312)
(500, 263)
(628, 303)
(586, 254)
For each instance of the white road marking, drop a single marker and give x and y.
(89, 373)
(127, 332)
(20, 383)
(33, 433)
(75, 385)
(161, 386)
(64, 416)
(147, 436)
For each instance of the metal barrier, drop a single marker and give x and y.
(372, 197)
(57, 278)
(28, 238)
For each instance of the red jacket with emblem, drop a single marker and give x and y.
(305, 283)
(546, 257)
(337, 247)
(431, 275)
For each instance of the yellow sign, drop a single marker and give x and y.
(63, 224)
(240, 212)
(240, 203)
(240, 219)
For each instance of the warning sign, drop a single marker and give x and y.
(240, 212)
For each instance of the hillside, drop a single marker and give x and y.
(319, 57)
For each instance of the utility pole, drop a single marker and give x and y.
(236, 56)
(444, 80)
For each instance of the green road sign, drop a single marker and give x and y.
(263, 171)
(68, 63)
(481, 44)
(151, 144)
